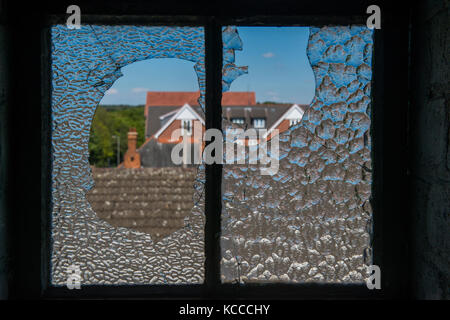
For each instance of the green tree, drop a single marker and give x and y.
(114, 121)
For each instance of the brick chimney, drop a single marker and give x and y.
(132, 159)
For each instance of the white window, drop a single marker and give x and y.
(238, 120)
(259, 123)
(186, 127)
(293, 122)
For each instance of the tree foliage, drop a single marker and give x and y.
(112, 121)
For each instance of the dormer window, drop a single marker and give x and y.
(238, 120)
(259, 123)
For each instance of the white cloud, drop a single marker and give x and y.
(272, 95)
(268, 55)
(112, 91)
(139, 90)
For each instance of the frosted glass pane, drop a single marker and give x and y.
(85, 63)
(311, 221)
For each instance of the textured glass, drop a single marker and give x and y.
(310, 222)
(85, 63)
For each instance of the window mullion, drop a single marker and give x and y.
(213, 192)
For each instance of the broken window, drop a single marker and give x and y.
(311, 220)
(308, 221)
(85, 64)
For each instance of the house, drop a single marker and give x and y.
(166, 112)
(289, 118)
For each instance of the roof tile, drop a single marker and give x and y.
(179, 98)
(150, 200)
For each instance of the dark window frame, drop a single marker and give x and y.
(390, 46)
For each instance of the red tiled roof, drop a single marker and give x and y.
(179, 98)
(171, 98)
(238, 98)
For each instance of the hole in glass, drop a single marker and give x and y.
(151, 194)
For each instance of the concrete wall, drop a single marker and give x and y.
(430, 150)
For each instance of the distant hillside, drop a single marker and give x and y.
(116, 107)
(110, 120)
(273, 102)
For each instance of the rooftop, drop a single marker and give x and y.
(150, 200)
(179, 98)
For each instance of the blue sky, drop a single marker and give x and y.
(278, 70)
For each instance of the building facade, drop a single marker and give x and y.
(170, 116)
